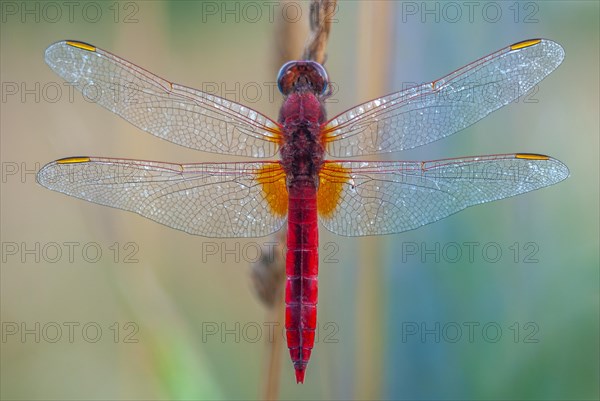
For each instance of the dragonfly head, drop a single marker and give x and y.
(297, 76)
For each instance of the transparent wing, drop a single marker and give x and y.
(179, 114)
(375, 198)
(208, 199)
(432, 111)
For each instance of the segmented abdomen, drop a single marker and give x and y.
(302, 266)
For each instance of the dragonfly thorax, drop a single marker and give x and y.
(302, 151)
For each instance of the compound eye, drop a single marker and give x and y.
(286, 77)
(319, 78)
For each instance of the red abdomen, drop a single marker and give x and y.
(302, 266)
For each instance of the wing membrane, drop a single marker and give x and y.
(434, 110)
(179, 114)
(391, 197)
(208, 199)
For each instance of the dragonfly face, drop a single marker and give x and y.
(297, 76)
(351, 198)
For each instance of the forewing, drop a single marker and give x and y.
(170, 111)
(372, 198)
(207, 199)
(434, 110)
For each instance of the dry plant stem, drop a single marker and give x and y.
(321, 16)
(268, 274)
(271, 384)
(290, 38)
(269, 281)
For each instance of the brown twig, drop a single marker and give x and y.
(289, 40)
(321, 16)
(268, 276)
(271, 385)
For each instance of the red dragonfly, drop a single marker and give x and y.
(351, 198)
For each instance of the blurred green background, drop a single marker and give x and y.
(389, 319)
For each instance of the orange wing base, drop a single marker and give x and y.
(331, 179)
(272, 179)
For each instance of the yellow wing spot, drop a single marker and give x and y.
(272, 179)
(71, 160)
(531, 156)
(326, 136)
(81, 45)
(331, 180)
(277, 135)
(525, 43)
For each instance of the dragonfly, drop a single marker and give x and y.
(302, 187)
